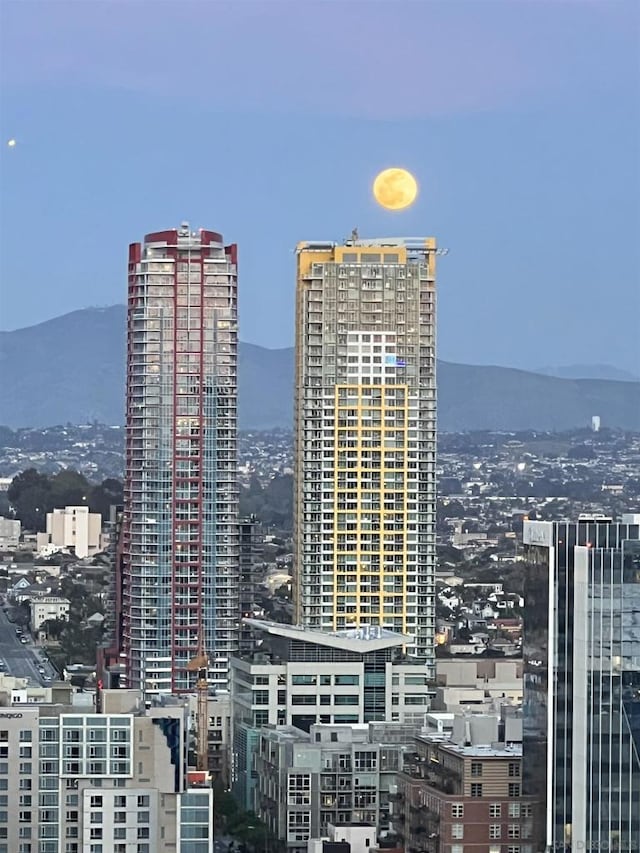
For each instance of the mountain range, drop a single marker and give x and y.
(72, 370)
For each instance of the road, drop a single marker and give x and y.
(22, 660)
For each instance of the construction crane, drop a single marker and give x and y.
(200, 664)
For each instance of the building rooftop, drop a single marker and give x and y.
(485, 751)
(359, 640)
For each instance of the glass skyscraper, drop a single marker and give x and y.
(582, 682)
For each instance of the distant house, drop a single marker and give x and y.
(44, 609)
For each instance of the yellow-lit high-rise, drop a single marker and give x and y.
(365, 433)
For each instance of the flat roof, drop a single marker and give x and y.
(360, 640)
(485, 750)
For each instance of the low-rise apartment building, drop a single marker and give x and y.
(476, 684)
(465, 794)
(336, 775)
(46, 608)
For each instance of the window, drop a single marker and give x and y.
(261, 697)
(303, 699)
(514, 769)
(513, 848)
(457, 830)
(476, 789)
(457, 848)
(143, 801)
(96, 802)
(143, 832)
(495, 810)
(96, 832)
(514, 830)
(301, 680)
(476, 768)
(349, 699)
(457, 810)
(325, 680)
(25, 735)
(347, 680)
(495, 830)
(514, 809)
(514, 789)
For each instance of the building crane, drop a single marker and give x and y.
(200, 664)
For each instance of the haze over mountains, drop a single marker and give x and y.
(72, 370)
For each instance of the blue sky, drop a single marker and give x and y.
(268, 120)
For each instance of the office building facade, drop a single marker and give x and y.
(297, 677)
(582, 682)
(179, 589)
(365, 437)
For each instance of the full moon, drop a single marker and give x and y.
(395, 189)
(11, 143)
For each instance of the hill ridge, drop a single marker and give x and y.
(71, 369)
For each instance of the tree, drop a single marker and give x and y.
(69, 488)
(101, 498)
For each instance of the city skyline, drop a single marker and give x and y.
(511, 161)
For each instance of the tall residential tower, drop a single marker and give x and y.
(365, 437)
(180, 569)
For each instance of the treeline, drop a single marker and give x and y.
(33, 494)
(272, 503)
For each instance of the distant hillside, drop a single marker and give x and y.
(588, 371)
(71, 370)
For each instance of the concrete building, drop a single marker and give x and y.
(465, 794)
(48, 607)
(582, 681)
(345, 839)
(78, 782)
(298, 677)
(9, 533)
(365, 438)
(476, 685)
(179, 589)
(337, 775)
(73, 528)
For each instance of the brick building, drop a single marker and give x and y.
(465, 795)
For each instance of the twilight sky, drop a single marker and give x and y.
(268, 120)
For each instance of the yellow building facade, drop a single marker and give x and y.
(365, 437)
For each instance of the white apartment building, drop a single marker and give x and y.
(9, 533)
(73, 527)
(114, 782)
(49, 607)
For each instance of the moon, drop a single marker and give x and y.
(11, 143)
(395, 189)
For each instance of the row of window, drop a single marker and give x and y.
(495, 809)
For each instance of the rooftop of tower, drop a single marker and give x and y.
(369, 638)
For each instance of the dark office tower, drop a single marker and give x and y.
(251, 550)
(581, 742)
(180, 525)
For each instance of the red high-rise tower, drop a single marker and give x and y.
(180, 564)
